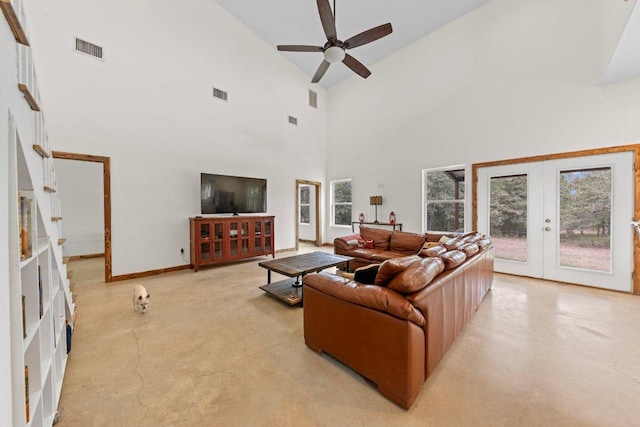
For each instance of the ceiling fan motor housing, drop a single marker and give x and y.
(334, 54)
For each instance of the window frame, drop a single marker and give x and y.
(466, 200)
(333, 202)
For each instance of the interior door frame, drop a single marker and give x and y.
(635, 148)
(318, 187)
(106, 181)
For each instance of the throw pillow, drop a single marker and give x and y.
(368, 244)
(392, 267)
(366, 274)
(428, 245)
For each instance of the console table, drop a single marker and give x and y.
(397, 225)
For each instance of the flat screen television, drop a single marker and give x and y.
(223, 194)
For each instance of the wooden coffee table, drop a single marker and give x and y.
(289, 291)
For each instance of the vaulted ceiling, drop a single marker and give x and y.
(297, 22)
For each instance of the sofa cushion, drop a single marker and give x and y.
(417, 275)
(366, 274)
(381, 256)
(379, 236)
(484, 243)
(452, 259)
(453, 244)
(406, 243)
(433, 251)
(363, 253)
(392, 267)
(470, 249)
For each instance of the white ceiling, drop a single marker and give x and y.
(297, 22)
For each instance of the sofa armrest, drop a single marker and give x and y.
(371, 296)
(341, 244)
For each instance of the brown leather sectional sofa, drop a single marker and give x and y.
(396, 330)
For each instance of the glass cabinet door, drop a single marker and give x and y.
(233, 239)
(205, 241)
(244, 237)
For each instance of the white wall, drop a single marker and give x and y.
(149, 106)
(81, 189)
(508, 80)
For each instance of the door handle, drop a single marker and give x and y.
(547, 228)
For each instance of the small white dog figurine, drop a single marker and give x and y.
(140, 299)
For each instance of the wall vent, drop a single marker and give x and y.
(293, 120)
(313, 99)
(220, 94)
(91, 49)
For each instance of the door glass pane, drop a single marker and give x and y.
(585, 219)
(508, 217)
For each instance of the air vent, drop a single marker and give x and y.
(313, 99)
(88, 48)
(293, 120)
(220, 94)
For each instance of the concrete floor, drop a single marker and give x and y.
(214, 350)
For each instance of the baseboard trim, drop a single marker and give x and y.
(286, 250)
(87, 256)
(149, 273)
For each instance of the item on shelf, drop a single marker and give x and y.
(40, 303)
(69, 335)
(361, 217)
(24, 320)
(25, 227)
(392, 217)
(26, 390)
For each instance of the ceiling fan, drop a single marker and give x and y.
(334, 49)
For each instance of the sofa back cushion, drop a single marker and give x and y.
(406, 243)
(470, 249)
(392, 267)
(452, 259)
(417, 276)
(379, 236)
(433, 251)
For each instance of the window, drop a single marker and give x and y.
(304, 205)
(444, 199)
(341, 202)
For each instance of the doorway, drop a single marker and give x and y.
(563, 219)
(106, 183)
(308, 212)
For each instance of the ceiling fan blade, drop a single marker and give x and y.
(356, 66)
(320, 71)
(326, 17)
(299, 48)
(368, 36)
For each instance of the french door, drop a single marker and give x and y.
(566, 220)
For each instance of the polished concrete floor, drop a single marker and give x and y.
(214, 350)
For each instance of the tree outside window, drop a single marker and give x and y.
(341, 202)
(444, 199)
(304, 205)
